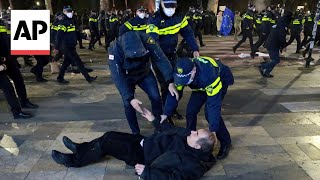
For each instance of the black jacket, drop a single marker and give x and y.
(248, 21)
(169, 157)
(66, 35)
(277, 37)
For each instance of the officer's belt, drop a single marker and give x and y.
(168, 30)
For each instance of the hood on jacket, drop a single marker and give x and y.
(132, 45)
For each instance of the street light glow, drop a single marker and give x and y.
(38, 3)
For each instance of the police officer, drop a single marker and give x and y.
(94, 30)
(53, 34)
(207, 20)
(275, 43)
(295, 30)
(66, 40)
(247, 24)
(198, 22)
(266, 25)
(138, 23)
(258, 22)
(129, 61)
(209, 79)
(308, 23)
(79, 27)
(164, 27)
(102, 25)
(114, 28)
(12, 67)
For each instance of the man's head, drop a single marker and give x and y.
(141, 12)
(93, 13)
(201, 139)
(169, 7)
(67, 10)
(184, 71)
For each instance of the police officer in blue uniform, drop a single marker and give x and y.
(114, 28)
(164, 27)
(296, 27)
(66, 40)
(209, 79)
(129, 61)
(138, 23)
(94, 29)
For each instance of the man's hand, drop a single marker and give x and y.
(173, 91)
(148, 115)
(163, 118)
(196, 54)
(139, 168)
(135, 103)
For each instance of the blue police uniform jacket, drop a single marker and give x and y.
(165, 31)
(134, 24)
(54, 30)
(248, 20)
(129, 61)
(93, 23)
(66, 35)
(211, 78)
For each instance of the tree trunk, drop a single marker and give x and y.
(49, 6)
(0, 5)
(213, 5)
(10, 3)
(104, 5)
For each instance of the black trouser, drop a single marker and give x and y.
(104, 32)
(163, 84)
(111, 36)
(71, 56)
(95, 37)
(246, 34)
(14, 73)
(9, 93)
(122, 146)
(198, 34)
(261, 40)
(207, 28)
(295, 36)
(58, 56)
(42, 61)
(307, 35)
(79, 38)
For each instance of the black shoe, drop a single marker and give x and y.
(75, 71)
(169, 119)
(41, 79)
(81, 47)
(28, 105)
(33, 71)
(91, 79)
(70, 144)
(22, 115)
(61, 158)
(62, 81)
(252, 55)
(89, 70)
(234, 49)
(100, 44)
(202, 45)
(268, 76)
(177, 115)
(90, 48)
(224, 151)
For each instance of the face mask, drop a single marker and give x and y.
(141, 15)
(69, 15)
(169, 11)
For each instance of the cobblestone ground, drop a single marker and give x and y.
(274, 123)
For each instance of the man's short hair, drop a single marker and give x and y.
(207, 143)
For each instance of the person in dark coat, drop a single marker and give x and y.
(170, 153)
(275, 43)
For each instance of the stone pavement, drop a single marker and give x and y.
(274, 123)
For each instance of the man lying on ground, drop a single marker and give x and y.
(170, 153)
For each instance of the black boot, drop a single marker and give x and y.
(22, 115)
(177, 115)
(27, 104)
(61, 158)
(224, 151)
(62, 81)
(70, 144)
(91, 79)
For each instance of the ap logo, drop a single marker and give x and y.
(30, 32)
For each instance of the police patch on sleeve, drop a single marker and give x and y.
(151, 27)
(151, 41)
(111, 57)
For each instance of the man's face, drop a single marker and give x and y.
(195, 136)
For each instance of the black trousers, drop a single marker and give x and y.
(246, 34)
(95, 37)
(9, 93)
(163, 84)
(42, 61)
(261, 40)
(71, 56)
(58, 56)
(297, 37)
(104, 32)
(79, 38)
(122, 146)
(14, 73)
(307, 35)
(199, 35)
